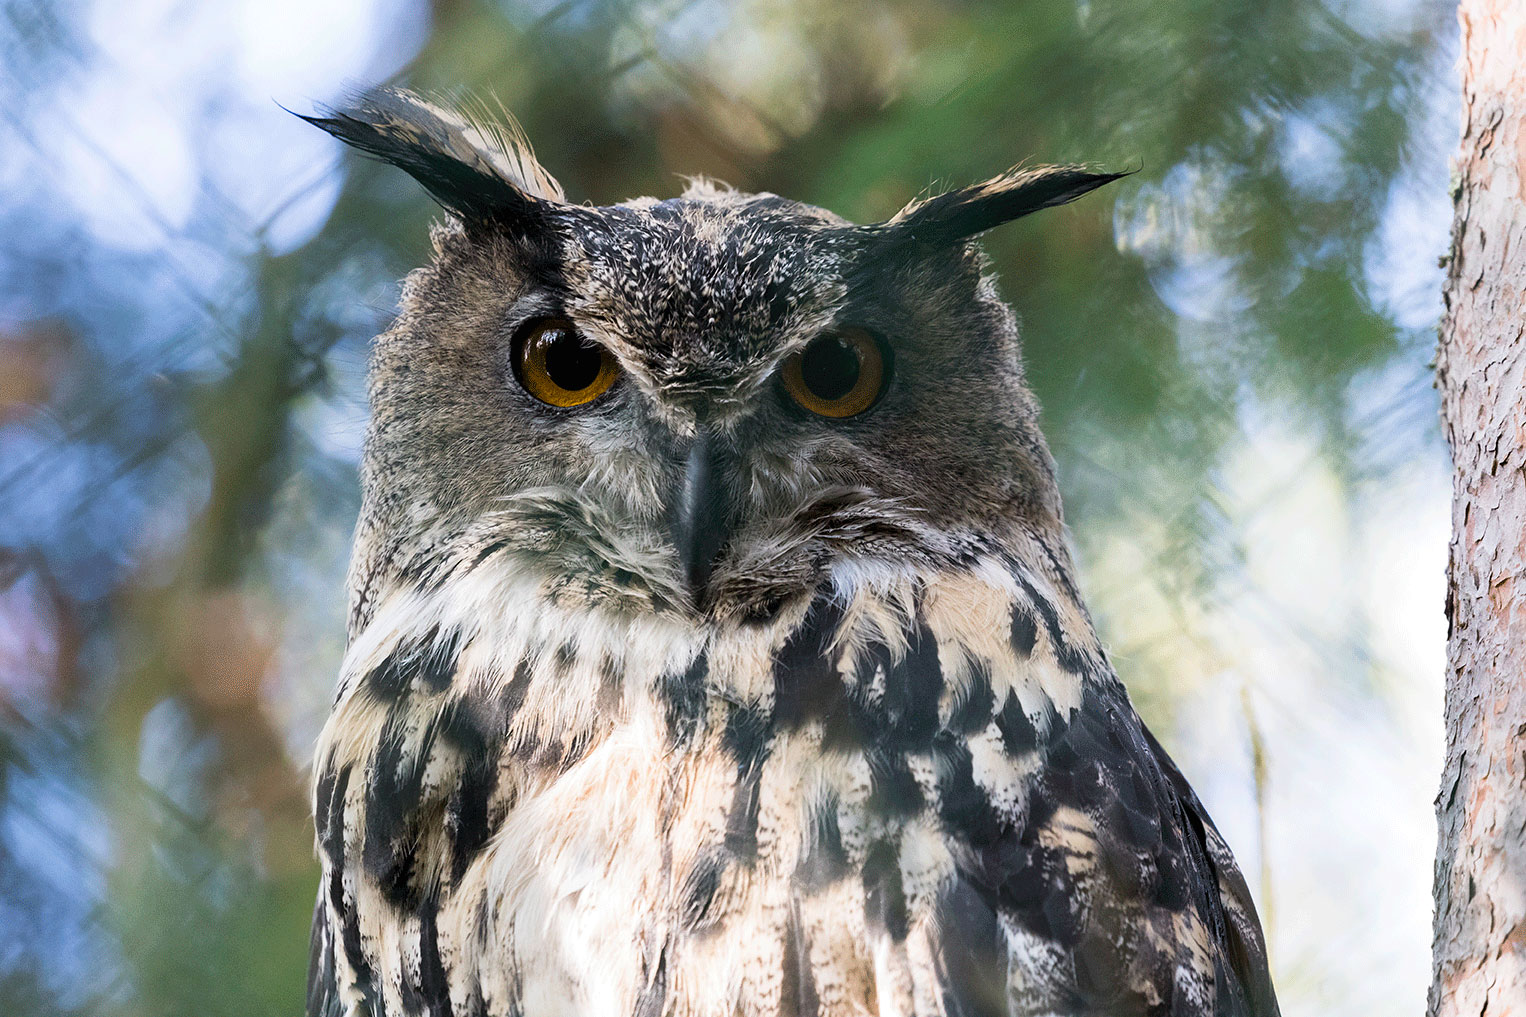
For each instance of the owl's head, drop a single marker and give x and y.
(708, 404)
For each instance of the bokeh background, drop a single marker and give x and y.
(1232, 349)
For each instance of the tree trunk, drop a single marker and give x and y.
(1480, 933)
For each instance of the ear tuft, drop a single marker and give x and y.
(475, 165)
(957, 215)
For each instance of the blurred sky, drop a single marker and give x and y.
(1232, 348)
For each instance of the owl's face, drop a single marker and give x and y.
(704, 405)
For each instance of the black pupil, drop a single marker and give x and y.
(829, 367)
(572, 362)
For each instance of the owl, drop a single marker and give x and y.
(715, 649)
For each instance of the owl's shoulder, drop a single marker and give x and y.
(1111, 890)
(1072, 866)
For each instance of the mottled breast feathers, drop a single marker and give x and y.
(906, 794)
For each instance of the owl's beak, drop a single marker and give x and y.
(701, 516)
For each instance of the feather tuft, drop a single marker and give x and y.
(473, 161)
(959, 214)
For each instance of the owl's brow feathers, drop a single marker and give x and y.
(477, 167)
(486, 173)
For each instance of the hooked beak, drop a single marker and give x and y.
(701, 515)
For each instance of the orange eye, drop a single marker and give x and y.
(559, 367)
(840, 374)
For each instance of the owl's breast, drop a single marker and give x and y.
(644, 881)
(569, 902)
(923, 798)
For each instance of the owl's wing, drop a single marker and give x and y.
(322, 987)
(1112, 892)
(1072, 871)
(1243, 939)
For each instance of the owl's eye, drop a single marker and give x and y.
(559, 367)
(840, 374)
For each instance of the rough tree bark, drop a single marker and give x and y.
(1480, 933)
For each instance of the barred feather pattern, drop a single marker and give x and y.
(910, 792)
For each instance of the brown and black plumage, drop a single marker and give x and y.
(715, 647)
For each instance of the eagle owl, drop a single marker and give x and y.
(715, 649)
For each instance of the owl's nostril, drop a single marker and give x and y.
(700, 516)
